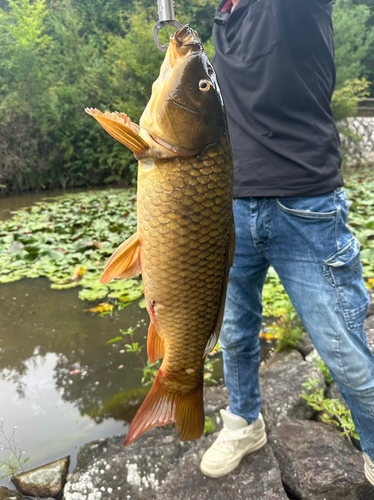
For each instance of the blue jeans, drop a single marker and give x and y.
(307, 241)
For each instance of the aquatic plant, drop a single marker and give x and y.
(16, 461)
(360, 194)
(68, 240)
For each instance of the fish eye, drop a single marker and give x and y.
(204, 85)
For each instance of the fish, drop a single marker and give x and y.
(185, 241)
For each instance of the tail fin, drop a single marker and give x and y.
(162, 407)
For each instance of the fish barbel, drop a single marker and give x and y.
(184, 244)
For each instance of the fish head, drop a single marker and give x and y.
(185, 113)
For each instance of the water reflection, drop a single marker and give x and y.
(59, 381)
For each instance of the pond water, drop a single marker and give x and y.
(61, 385)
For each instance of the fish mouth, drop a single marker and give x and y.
(184, 41)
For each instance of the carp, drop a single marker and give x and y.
(185, 240)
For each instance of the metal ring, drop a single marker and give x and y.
(158, 26)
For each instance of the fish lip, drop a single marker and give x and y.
(190, 34)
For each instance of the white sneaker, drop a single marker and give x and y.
(235, 440)
(369, 469)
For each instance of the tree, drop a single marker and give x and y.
(353, 38)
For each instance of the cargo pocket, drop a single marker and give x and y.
(258, 31)
(344, 272)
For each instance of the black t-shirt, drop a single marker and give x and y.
(275, 65)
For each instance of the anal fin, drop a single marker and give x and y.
(155, 343)
(125, 261)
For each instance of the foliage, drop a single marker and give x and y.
(360, 189)
(345, 100)
(287, 330)
(23, 89)
(210, 361)
(58, 59)
(69, 241)
(275, 300)
(210, 425)
(352, 37)
(319, 363)
(332, 411)
(15, 462)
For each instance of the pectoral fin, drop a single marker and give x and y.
(119, 126)
(125, 261)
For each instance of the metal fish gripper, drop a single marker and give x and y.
(166, 17)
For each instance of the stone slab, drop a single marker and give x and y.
(317, 463)
(45, 481)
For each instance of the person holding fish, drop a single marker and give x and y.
(274, 61)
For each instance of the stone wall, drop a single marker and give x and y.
(359, 149)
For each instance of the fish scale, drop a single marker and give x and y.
(188, 313)
(184, 243)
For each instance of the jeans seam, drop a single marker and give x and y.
(339, 340)
(236, 369)
(336, 223)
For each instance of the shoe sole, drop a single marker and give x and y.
(226, 470)
(369, 475)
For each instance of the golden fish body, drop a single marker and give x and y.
(184, 243)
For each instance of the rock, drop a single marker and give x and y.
(370, 338)
(280, 358)
(45, 481)
(158, 466)
(317, 463)
(371, 305)
(371, 309)
(305, 345)
(107, 471)
(369, 328)
(369, 323)
(257, 477)
(6, 494)
(281, 386)
(215, 398)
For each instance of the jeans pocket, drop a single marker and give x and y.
(343, 271)
(309, 207)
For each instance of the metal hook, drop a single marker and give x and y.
(158, 26)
